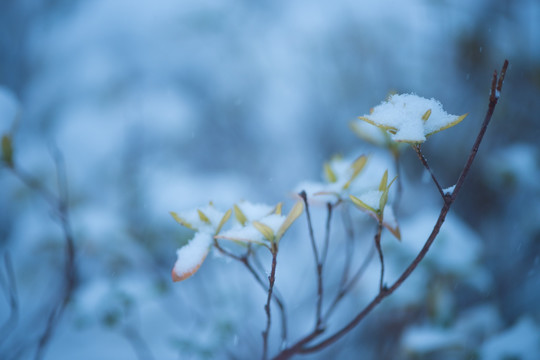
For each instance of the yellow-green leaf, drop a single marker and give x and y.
(356, 201)
(384, 127)
(7, 150)
(384, 196)
(384, 181)
(330, 175)
(295, 212)
(382, 201)
(241, 242)
(224, 219)
(426, 115)
(449, 125)
(181, 221)
(278, 209)
(357, 166)
(394, 230)
(266, 230)
(391, 182)
(239, 215)
(203, 217)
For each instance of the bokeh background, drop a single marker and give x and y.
(166, 105)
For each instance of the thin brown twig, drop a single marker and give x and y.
(344, 290)
(423, 159)
(244, 259)
(318, 263)
(10, 287)
(496, 87)
(59, 204)
(324, 254)
(70, 268)
(379, 251)
(271, 280)
(299, 347)
(349, 244)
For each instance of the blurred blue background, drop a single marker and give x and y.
(160, 106)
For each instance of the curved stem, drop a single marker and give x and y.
(384, 292)
(347, 287)
(271, 280)
(379, 250)
(428, 168)
(318, 262)
(277, 298)
(10, 287)
(349, 245)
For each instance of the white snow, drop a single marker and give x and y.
(274, 221)
(190, 256)
(449, 190)
(193, 218)
(522, 342)
(343, 169)
(370, 133)
(246, 233)
(318, 193)
(427, 338)
(249, 233)
(517, 164)
(371, 198)
(255, 211)
(402, 116)
(457, 249)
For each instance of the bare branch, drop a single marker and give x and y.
(60, 207)
(10, 287)
(318, 262)
(345, 288)
(275, 294)
(379, 251)
(384, 292)
(271, 280)
(349, 244)
(428, 168)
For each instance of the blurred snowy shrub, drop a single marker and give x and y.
(353, 181)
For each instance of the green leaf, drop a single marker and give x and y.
(239, 215)
(266, 230)
(330, 175)
(356, 201)
(357, 166)
(391, 182)
(224, 219)
(295, 212)
(384, 127)
(7, 150)
(382, 202)
(449, 125)
(242, 242)
(426, 115)
(384, 196)
(203, 217)
(384, 181)
(278, 209)
(181, 221)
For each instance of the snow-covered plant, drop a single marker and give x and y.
(349, 183)
(410, 118)
(256, 224)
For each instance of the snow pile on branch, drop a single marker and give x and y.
(411, 118)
